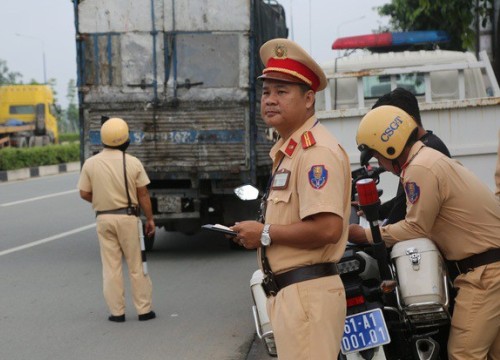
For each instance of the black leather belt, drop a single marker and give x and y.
(474, 261)
(309, 272)
(122, 211)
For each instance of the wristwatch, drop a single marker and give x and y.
(265, 238)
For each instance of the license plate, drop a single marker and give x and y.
(364, 331)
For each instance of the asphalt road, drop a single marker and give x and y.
(50, 279)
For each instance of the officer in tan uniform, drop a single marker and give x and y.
(307, 204)
(450, 205)
(102, 183)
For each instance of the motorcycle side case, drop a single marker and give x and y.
(421, 273)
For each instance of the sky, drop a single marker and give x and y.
(31, 30)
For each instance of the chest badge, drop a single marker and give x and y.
(280, 180)
(318, 176)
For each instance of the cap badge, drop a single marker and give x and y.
(280, 51)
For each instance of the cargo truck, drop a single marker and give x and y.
(28, 116)
(183, 76)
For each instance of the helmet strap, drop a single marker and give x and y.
(121, 147)
(124, 146)
(396, 166)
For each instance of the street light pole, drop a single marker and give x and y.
(43, 54)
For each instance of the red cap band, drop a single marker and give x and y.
(295, 68)
(367, 192)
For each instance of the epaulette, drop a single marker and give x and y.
(307, 139)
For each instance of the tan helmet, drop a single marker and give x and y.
(386, 130)
(114, 132)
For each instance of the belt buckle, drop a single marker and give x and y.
(132, 210)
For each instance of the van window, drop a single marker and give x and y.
(376, 86)
(21, 109)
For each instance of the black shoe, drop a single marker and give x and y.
(147, 316)
(119, 318)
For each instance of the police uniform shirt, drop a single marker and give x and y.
(394, 210)
(446, 203)
(318, 180)
(497, 173)
(102, 175)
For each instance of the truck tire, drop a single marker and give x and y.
(21, 142)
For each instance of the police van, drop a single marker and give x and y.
(458, 94)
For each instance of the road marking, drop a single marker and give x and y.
(38, 198)
(46, 240)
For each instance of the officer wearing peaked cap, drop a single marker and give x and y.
(115, 183)
(306, 209)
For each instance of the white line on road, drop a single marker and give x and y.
(39, 198)
(46, 240)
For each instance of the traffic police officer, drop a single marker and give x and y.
(394, 210)
(307, 207)
(450, 205)
(115, 201)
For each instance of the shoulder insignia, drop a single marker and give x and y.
(290, 148)
(412, 192)
(307, 139)
(318, 176)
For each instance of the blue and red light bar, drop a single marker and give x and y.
(389, 39)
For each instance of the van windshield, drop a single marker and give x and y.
(21, 109)
(376, 86)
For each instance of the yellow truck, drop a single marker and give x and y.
(27, 116)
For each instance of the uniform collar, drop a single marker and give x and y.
(288, 147)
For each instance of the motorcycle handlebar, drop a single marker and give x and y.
(365, 172)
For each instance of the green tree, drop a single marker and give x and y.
(457, 17)
(52, 82)
(72, 110)
(7, 76)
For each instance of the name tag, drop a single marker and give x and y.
(280, 180)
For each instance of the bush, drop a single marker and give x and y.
(17, 158)
(69, 137)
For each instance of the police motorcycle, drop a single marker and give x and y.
(397, 304)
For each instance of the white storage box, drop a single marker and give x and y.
(421, 273)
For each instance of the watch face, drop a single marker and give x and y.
(265, 239)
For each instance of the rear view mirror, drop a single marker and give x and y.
(247, 192)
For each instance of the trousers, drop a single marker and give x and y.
(475, 326)
(308, 319)
(119, 237)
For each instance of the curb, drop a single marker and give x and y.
(38, 171)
